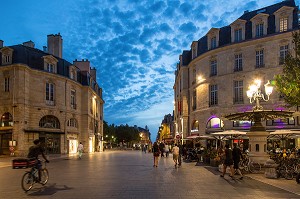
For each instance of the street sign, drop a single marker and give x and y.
(178, 136)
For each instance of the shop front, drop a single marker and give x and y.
(5, 137)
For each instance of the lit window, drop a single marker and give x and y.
(283, 24)
(49, 121)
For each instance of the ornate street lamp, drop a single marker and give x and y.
(255, 94)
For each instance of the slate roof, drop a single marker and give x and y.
(225, 32)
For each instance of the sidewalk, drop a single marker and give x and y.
(6, 161)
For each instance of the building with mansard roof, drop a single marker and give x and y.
(48, 98)
(212, 77)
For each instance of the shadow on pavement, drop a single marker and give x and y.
(49, 190)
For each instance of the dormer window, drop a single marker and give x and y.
(213, 38)
(194, 50)
(213, 42)
(72, 71)
(283, 24)
(238, 30)
(6, 55)
(259, 25)
(284, 19)
(50, 68)
(259, 30)
(50, 64)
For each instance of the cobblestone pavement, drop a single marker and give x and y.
(130, 174)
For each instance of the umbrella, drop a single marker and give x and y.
(228, 134)
(283, 134)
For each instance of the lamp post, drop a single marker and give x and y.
(255, 94)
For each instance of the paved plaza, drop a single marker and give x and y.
(130, 174)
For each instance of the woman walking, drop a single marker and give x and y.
(228, 162)
(156, 152)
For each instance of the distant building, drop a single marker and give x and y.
(48, 98)
(144, 134)
(166, 129)
(212, 77)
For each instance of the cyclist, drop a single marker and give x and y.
(34, 152)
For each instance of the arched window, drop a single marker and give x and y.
(6, 119)
(49, 121)
(214, 123)
(195, 126)
(72, 122)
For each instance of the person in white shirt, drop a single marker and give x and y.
(175, 152)
(80, 150)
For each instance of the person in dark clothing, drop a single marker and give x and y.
(34, 152)
(236, 156)
(228, 161)
(155, 150)
(161, 148)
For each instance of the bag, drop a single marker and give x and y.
(23, 163)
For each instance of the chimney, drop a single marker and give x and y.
(29, 44)
(45, 49)
(54, 45)
(82, 65)
(1, 43)
(93, 73)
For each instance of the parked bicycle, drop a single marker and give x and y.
(32, 176)
(249, 166)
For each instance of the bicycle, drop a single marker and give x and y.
(249, 166)
(31, 177)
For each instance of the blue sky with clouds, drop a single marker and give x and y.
(134, 44)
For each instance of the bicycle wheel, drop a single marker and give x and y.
(27, 181)
(44, 176)
(289, 172)
(254, 167)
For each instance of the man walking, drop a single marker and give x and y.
(175, 152)
(236, 156)
(80, 150)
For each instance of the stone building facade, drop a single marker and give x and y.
(48, 98)
(212, 77)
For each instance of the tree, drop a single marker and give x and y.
(288, 83)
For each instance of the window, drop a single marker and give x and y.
(238, 62)
(6, 120)
(194, 75)
(281, 122)
(49, 121)
(194, 99)
(238, 92)
(282, 53)
(259, 58)
(6, 59)
(283, 24)
(259, 30)
(213, 42)
(241, 123)
(213, 95)
(213, 68)
(72, 123)
(194, 51)
(6, 84)
(73, 99)
(50, 68)
(238, 35)
(49, 93)
(215, 123)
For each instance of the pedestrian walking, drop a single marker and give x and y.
(228, 161)
(167, 149)
(156, 152)
(80, 150)
(161, 148)
(236, 156)
(175, 152)
(180, 154)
